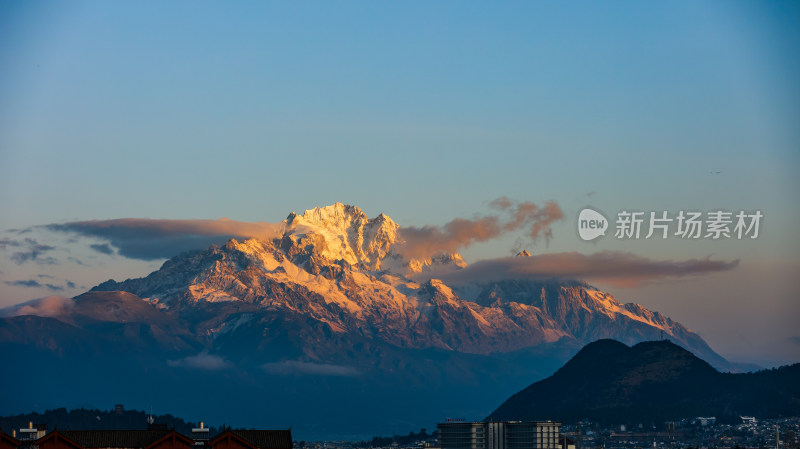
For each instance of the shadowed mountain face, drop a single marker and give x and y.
(655, 381)
(328, 313)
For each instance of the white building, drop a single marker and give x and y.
(706, 420)
(32, 433)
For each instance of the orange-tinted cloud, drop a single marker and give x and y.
(50, 306)
(425, 241)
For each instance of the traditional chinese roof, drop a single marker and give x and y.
(133, 439)
(266, 439)
(8, 440)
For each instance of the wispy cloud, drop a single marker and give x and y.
(24, 283)
(33, 283)
(459, 233)
(6, 243)
(148, 239)
(291, 367)
(616, 268)
(50, 306)
(28, 250)
(204, 361)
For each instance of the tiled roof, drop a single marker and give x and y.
(8, 439)
(266, 439)
(133, 439)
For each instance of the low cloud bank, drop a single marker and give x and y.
(204, 361)
(149, 239)
(291, 367)
(49, 306)
(616, 268)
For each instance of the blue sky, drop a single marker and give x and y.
(426, 111)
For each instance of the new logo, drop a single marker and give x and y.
(591, 224)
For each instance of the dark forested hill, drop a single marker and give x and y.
(608, 381)
(93, 419)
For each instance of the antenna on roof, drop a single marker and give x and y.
(150, 419)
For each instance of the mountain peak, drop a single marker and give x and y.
(336, 215)
(342, 232)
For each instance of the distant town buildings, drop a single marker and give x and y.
(729, 432)
(706, 420)
(459, 434)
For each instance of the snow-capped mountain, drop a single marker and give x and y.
(336, 266)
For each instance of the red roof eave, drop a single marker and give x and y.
(171, 435)
(56, 435)
(230, 435)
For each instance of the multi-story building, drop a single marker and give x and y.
(458, 434)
